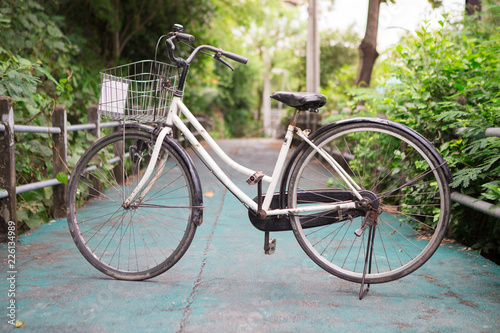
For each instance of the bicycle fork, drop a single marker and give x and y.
(145, 178)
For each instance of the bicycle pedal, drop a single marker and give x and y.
(271, 246)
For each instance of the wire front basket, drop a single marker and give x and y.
(139, 91)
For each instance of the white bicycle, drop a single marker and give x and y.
(367, 199)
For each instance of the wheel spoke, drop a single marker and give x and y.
(145, 238)
(405, 182)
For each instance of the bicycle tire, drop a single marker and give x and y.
(150, 236)
(413, 219)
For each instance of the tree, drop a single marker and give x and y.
(111, 26)
(368, 47)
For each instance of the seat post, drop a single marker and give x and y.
(295, 118)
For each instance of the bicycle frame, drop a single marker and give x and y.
(174, 119)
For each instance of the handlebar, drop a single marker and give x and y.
(177, 34)
(235, 57)
(218, 53)
(186, 37)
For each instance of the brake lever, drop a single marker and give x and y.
(217, 57)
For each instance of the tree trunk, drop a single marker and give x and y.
(368, 47)
(473, 7)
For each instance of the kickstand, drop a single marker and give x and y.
(368, 260)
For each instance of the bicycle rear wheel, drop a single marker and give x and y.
(149, 236)
(409, 184)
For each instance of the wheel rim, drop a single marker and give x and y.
(140, 240)
(406, 234)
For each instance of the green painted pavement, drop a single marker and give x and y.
(225, 283)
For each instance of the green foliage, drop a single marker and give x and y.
(126, 30)
(16, 77)
(62, 177)
(450, 81)
(450, 84)
(234, 99)
(51, 53)
(339, 60)
(227, 98)
(33, 52)
(338, 50)
(253, 28)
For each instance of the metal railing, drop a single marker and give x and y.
(476, 204)
(58, 131)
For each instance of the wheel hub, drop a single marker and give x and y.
(370, 204)
(132, 205)
(370, 201)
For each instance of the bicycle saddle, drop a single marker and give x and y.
(300, 100)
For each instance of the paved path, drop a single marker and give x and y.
(226, 284)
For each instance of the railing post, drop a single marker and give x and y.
(8, 209)
(93, 118)
(60, 161)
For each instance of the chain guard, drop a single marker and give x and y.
(282, 223)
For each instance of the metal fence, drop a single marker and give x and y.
(476, 204)
(58, 131)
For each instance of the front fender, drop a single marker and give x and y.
(417, 136)
(198, 194)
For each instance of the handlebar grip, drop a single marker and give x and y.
(235, 57)
(185, 37)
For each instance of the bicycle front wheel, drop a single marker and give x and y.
(408, 183)
(147, 237)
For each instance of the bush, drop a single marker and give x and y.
(450, 84)
(33, 51)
